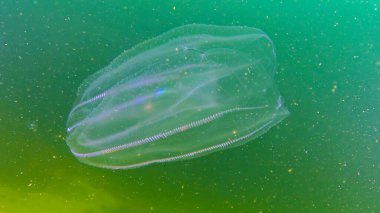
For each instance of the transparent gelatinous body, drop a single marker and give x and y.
(191, 91)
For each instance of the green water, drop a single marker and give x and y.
(325, 157)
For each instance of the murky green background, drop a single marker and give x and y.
(325, 157)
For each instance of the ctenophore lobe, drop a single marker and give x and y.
(193, 90)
